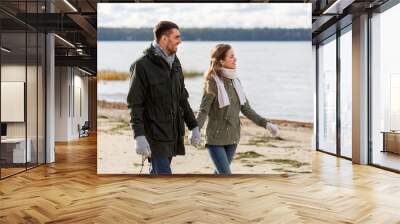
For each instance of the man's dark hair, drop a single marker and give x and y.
(163, 28)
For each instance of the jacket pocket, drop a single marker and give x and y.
(160, 88)
(229, 117)
(162, 129)
(217, 128)
(181, 121)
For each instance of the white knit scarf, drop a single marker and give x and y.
(223, 98)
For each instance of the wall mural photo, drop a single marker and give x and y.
(204, 88)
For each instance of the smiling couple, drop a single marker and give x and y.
(159, 106)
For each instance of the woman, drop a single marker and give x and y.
(222, 102)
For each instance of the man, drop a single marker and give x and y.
(158, 101)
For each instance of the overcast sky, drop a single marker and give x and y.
(199, 15)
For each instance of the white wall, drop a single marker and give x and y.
(70, 84)
(62, 81)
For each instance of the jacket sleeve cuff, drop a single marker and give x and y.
(137, 131)
(192, 125)
(264, 122)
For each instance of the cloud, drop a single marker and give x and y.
(200, 15)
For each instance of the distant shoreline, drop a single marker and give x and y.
(208, 34)
(123, 106)
(211, 40)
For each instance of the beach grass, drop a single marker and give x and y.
(192, 74)
(102, 117)
(243, 157)
(263, 140)
(293, 163)
(119, 125)
(248, 154)
(111, 75)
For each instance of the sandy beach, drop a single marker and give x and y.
(257, 153)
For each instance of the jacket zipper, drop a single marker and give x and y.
(172, 107)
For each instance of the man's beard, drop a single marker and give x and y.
(172, 51)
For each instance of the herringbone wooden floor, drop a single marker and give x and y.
(70, 191)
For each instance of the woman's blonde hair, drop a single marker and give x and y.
(218, 53)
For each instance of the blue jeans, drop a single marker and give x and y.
(222, 156)
(161, 165)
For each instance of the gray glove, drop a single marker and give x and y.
(272, 128)
(194, 136)
(142, 146)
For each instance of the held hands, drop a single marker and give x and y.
(272, 128)
(194, 136)
(142, 146)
